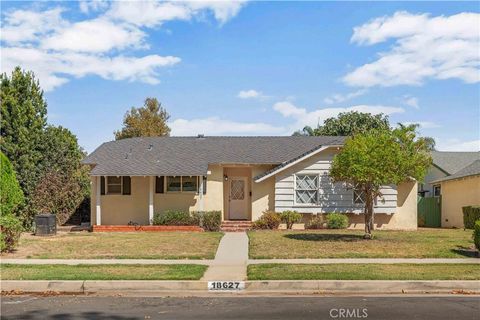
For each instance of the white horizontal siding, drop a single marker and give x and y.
(332, 196)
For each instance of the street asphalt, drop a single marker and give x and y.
(198, 308)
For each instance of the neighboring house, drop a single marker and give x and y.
(459, 190)
(444, 164)
(241, 176)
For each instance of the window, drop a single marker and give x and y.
(159, 184)
(182, 184)
(437, 190)
(174, 184)
(358, 195)
(116, 185)
(189, 184)
(306, 189)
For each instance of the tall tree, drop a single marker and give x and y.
(34, 148)
(147, 121)
(11, 195)
(380, 157)
(348, 124)
(23, 119)
(64, 182)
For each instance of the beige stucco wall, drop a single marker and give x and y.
(405, 217)
(263, 193)
(433, 174)
(120, 209)
(455, 195)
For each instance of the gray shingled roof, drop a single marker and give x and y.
(471, 170)
(192, 155)
(452, 162)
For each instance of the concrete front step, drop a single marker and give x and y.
(234, 226)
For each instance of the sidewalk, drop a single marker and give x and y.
(231, 259)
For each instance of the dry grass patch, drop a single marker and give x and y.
(102, 272)
(364, 272)
(117, 245)
(424, 243)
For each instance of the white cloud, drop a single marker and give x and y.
(218, 126)
(337, 98)
(53, 69)
(250, 94)
(57, 49)
(411, 101)
(97, 35)
(303, 117)
(92, 5)
(458, 145)
(155, 13)
(425, 47)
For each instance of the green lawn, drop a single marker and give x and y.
(120, 245)
(364, 272)
(102, 272)
(424, 243)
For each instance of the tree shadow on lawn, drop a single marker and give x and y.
(466, 252)
(324, 237)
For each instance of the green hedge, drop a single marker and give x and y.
(337, 221)
(208, 220)
(476, 235)
(269, 220)
(11, 229)
(290, 217)
(470, 215)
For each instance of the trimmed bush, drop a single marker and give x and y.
(269, 220)
(11, 195)
(174, 218)
(208, 220)
(476, 235)
(337, 221)
(290, 217)
(11, 228)
(316, 223)
(470, 215)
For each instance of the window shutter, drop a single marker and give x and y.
(127, 185)
(102, 185)
(204, 181)
(159, 184)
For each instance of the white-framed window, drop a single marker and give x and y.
(182, 184)
(437, 190)
(114, 185)
(358, 195)
(306, 189)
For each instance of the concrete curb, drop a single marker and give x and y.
(251, 287)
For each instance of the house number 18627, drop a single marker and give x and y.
(226, 285)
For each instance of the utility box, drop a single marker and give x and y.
(45, 224)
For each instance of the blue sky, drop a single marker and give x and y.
(251, 68)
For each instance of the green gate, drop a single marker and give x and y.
(429, 212)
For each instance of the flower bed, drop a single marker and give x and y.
(127, 228)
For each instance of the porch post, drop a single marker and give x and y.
(200, 193)
(98, 201)
(150, 200)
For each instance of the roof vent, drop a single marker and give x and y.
(200, 136)
(150, 147)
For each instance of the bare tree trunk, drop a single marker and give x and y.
(369, 219)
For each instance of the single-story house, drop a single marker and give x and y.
(241, 176)
(444, 164)
(459, 190)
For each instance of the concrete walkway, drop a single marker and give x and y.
(231, 259)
